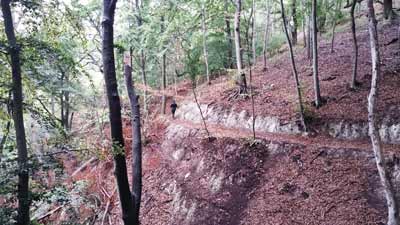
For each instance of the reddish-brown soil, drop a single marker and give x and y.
(275, 88)
(316, 181)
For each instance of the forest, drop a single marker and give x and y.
(201, 112)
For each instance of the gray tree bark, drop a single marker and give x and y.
(294, 19)
(266, 35)
(337, 10)
(139, 20)
(294, 69)
(204, 29)
(315, 55)
(241, 74)
(228, 37)
(163, 75)
(393, 211)
(355, 46)
(388, 9)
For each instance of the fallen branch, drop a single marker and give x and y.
(107, 207)
(49, 213)
(84, 165)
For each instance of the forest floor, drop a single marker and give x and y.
(280, 179)
(274, 87)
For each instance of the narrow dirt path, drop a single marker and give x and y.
(319, 141)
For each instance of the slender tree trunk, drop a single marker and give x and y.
(121, 175)
(18, 116)
(393, 211)
(67, 105)
(253, 42)
(205, 51)
(315, 55)
(241, 74)
(62, 104)
(228, 37)
(309, 38)
(139, 20)
(294, 18)
(163, 75)
(355, 46)
(303, 24)
(333, 36)
(388, 9)
(294, 69)
(201, 112)
(4, 138)
(136, 139)
(336, 14)
(266, 35)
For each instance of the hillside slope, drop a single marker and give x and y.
(284, 177)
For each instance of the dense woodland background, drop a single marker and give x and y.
(86, 86)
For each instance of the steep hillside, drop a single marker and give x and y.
(285, 177)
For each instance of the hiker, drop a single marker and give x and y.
(173, 108)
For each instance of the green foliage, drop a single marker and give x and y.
(275, 43)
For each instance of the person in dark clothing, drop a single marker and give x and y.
(173, 108)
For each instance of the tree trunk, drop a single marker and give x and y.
(315, 55)
(136, 139)
(294, 18)
(309, 39)
(253, 42)
(393, 211)
(4, 138)
(241, 74)
(204, 29)
(303, 24)
(228, 37)
(121, 175)
(163, 75)
(67, 105)
(388, 9)
(18, 116)
(266, 34)
(139, 20)
(355, 46)
(294, 69)
(201, 112)
(336, 14)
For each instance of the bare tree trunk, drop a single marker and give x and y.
(294, 69)
(121, 174)
(266, 35)
(309, 39)
(204, 28)
(388, 9)
(294, 18)
(201, 112)
(163, 75)
(355, 45)
(142, 57)
(4, 138)
(67, 105)
(136, 139)
(337, 10)
(241, 74)
(228, 37)
(393, 211)
(303, 24)
(18, 116)
(315, 55)
(251, 63)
